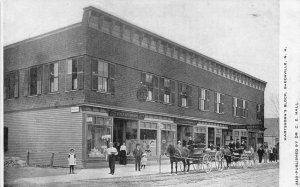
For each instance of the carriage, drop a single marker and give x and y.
(200, 159)
(206, 160)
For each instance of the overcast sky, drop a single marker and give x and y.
(241, 33)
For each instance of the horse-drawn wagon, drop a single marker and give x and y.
(199, 158)
(206, 160)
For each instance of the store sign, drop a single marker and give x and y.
(74, 109)
(185, 121)
(260, 126)
(121, 114)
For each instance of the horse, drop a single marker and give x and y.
(227, 155)
(178, 155)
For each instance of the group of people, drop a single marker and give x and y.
(266, 153)
(139, 156)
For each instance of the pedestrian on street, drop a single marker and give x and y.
(123, 152)
(260, 153)
(144, 160)
(137, 153)
(111, 152)
(72, 160)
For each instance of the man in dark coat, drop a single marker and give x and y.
(137, 153)
(260, 153)
(231, 145)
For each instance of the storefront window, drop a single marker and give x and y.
(148, 136)
(200, 136)
(131, 136)
(98, 136)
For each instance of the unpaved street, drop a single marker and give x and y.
(263, 175)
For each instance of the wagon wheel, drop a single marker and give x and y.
(207, 163)
(219, 161)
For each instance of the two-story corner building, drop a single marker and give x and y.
(105, 79)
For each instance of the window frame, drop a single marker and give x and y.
(11, 88)
(185, 94)
(204, 97)
(108, 76)
(38, 82)
(219, 103)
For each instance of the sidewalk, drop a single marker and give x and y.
(87, 174)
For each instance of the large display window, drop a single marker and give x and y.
(200, 136)
(131, 136)
(168, 135)
(148, 138)
(99, 131)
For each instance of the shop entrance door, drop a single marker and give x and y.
(125, 130)
(211, 136)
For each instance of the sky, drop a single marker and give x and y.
(242, 34)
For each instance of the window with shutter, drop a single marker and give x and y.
(26, 82)
(80, 62)
(234, 106)
(39, 79)
(173, 92)
(11, 85)
(53, 77)
(103, 76)
(155, 88)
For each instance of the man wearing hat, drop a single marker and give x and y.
(111, 152)
(137, 153)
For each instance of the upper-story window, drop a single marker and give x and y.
(245, 109)
(166, 91)
(204, 97)
(11, 85)
(219, 103)
(103, 75)
(259, 112)
(240, 107)
(35, 80)
(54, 77)
(185, 95)
(74, 75)
(151, 83)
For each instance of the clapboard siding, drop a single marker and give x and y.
(43, 132)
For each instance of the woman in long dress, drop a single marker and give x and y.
(123, 152)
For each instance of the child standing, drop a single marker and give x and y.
(144, 160)
(72, 160)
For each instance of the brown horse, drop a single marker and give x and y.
(178, 155)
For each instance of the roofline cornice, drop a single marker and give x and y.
(43, 35)
(168, 41)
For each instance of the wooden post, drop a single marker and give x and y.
(52, 160)
(27, 159)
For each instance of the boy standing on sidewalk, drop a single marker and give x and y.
(137, 153)
(72, 160)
